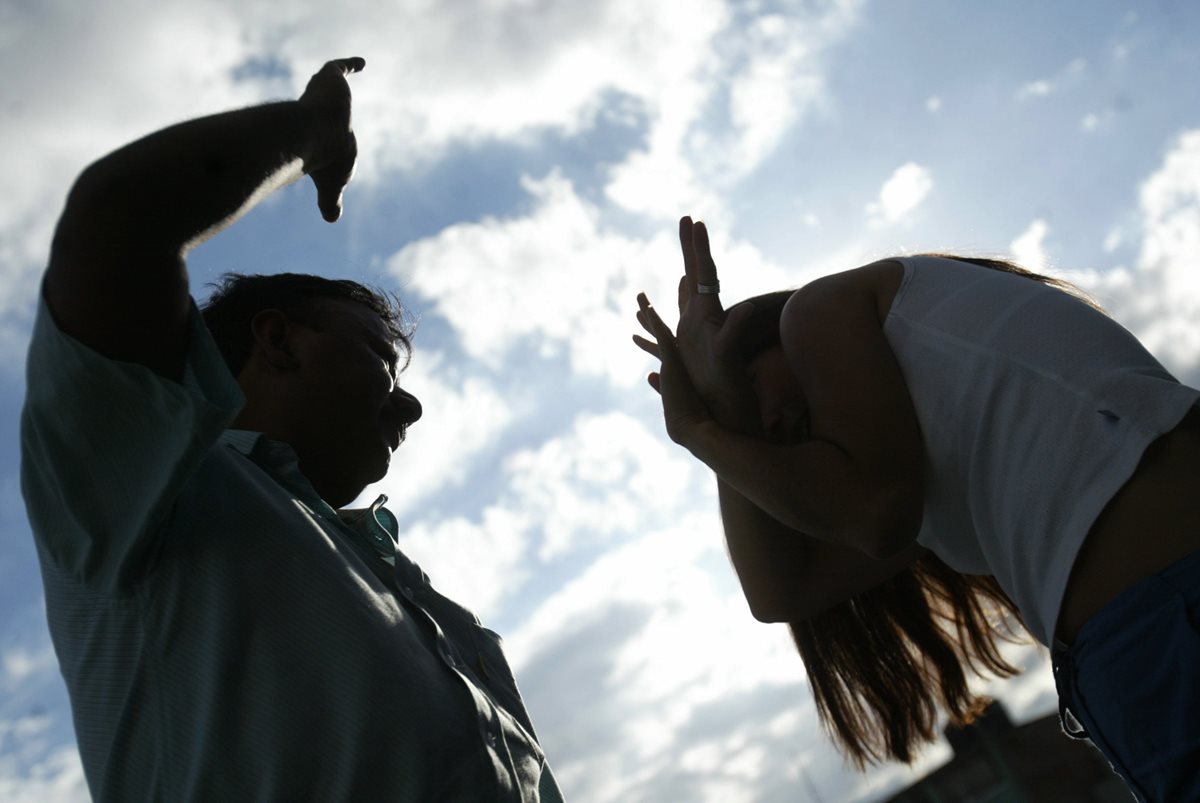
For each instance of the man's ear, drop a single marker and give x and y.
(272, 333)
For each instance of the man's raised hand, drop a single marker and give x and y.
(331, 162)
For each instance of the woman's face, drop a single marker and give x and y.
(783, 409)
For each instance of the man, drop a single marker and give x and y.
(224, 633)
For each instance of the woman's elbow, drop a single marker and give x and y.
(788, 605)
(891, 525)
(767, 612)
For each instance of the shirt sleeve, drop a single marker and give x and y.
(106, 446)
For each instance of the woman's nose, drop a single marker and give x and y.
(407, 405)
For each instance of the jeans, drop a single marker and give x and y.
(1131, 684)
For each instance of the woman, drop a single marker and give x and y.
(906, 449)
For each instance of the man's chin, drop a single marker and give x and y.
(385, 463)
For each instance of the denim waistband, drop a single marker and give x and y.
(1143, 595)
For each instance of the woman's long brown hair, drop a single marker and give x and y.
(885, 664)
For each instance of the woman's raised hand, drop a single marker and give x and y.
(705, 342)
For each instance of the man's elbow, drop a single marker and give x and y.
(89, 209)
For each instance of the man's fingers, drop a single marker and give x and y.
(655, 382)
(347, 66)
(331, 182)
(330, 204)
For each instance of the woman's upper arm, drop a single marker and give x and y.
(832, 334)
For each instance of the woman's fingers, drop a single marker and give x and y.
(653, 323)
(700, 272)
(687, 246)
(705, 268)
(648, 346)
(644, 320)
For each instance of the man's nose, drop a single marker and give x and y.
(406, 405)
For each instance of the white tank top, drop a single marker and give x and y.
(1034, 409)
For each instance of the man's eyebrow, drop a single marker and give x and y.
(388, 347)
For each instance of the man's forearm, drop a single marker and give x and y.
(117, 280)
(166, 191)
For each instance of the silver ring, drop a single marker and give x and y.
(708, 289)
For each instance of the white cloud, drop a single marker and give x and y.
(662, 183)
(1112, 240)
(558, 279)
(1043, 87)
(436, 75)
(1158, 299)
(478, 564)
(903, 192)
(31, 771)
(728, 111)
(21, 662)
(1169, 254)
(96, 91)
(605, 479)
(933, 104)
(1029, 247)
(674, 671)
(1035, 89)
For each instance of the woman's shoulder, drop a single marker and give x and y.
(876, 283)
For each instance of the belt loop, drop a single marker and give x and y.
(1063, 665)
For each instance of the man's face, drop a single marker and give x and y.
(350, 414)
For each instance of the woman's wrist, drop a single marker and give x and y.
(739, 414)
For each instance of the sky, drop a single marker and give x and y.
(523, 166)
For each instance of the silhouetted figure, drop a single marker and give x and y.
(225, 631)
(912, 454)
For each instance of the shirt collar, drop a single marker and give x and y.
(376, 524)
(243, 440)
(279, 460)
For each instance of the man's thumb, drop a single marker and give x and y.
(329, 201)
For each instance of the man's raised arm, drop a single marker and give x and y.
(117, 278)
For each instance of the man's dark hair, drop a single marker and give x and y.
(236, 298)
